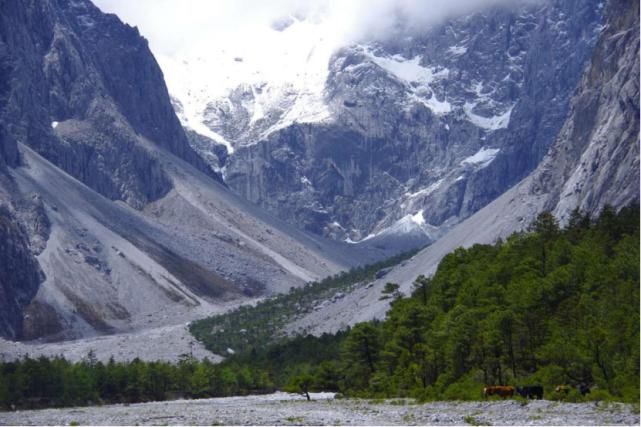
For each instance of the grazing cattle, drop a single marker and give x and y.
(583, 389)
(499, 390)
(565, 389)
(531, 391)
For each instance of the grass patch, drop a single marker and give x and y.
(473, 421)
(521, 400)
(408, 418)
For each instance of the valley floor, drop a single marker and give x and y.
(288, 409)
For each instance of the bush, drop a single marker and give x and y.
(468, 388)
(599, 395)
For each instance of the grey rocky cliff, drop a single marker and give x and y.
(424, 131)
(595, 161)
(20, 273)
(82, 88)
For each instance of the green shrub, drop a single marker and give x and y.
(467, 388)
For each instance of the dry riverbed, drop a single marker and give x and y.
(287, 409)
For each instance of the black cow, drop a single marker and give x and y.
(531, 391)
(583, 389)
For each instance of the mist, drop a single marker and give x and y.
(173, 26)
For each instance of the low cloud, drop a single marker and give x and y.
(176, 26)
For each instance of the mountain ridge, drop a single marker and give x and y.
(111, 222)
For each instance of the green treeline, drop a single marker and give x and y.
(255, 327)
(549, 306)
(37, 383)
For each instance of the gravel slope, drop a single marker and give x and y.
(166, 343)
(286, 409)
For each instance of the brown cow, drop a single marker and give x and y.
(499, 390)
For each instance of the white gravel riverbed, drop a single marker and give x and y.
(288, 409)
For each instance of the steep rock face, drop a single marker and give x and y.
(425, 131)
(20, 273)
(594, 161)
(82, 88)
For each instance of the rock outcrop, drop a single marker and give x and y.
(83, 89)
(595, 160)
(20, 273)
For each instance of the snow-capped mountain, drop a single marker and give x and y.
(112, 219)
(241, 95)
(402, 135)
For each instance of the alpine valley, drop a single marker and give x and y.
(140, 193)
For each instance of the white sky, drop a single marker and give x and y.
(173, 26)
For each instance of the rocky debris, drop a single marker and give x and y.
(168, 343)
(293, 409)
(111, 269)
(32, 213)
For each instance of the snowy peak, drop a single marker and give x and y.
(287, 74)
(240, 95)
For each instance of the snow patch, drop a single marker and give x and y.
(483, 157)
(408, 70)
(437, 107)
(305, 181)
(457, 50)
(489, 123)
(426, 191)
(418, 218)
(416, 77)
(258, 112)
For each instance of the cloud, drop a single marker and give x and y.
(176, 26)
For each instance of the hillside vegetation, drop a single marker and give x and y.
(254, 327)
(549, 306)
